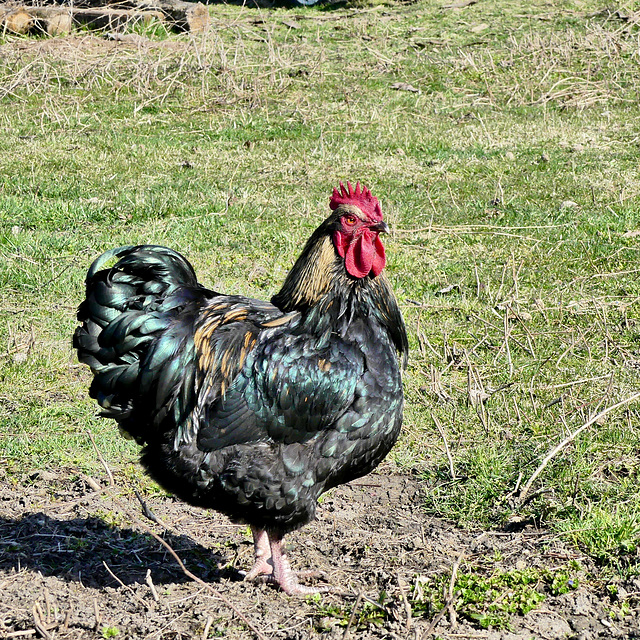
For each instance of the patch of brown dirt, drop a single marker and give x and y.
(76, 563)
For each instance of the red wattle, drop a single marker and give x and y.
(365, 254)
(379, 259)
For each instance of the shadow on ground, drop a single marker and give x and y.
(78, 549)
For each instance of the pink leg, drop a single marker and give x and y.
(282, 573)
(262, 565)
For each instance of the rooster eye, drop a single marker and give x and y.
(350, 219)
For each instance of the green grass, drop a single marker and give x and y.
(510, 180)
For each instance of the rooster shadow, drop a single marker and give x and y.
(88, 550)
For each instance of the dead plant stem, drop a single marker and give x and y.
(570, 438)
(443, 435)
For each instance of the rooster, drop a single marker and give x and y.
(252, 408)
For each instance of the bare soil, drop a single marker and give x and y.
(76, 562)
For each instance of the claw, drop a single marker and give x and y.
(260, 568)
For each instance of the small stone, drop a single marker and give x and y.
(568, 204)
(404, 86)
(583, 606)
(479, 28)
(42, 474)
(327, 623)
(478, 397)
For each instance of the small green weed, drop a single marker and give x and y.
(78, 544)
(151, 29)
(360, 615)
(110, 632)
(112, 518)
(491, 601)
(562, 582)
(620, 610)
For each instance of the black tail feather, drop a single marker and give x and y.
(136, 332)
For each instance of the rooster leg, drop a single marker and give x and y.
(262, 565)
(283, 574)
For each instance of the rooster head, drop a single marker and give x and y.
(357, 225)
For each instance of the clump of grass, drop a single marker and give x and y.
(360, 615)
(491, 601)
(609, 534)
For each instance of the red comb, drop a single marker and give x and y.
(361, 197)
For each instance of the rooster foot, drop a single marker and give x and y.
(262, 549)
(272, 565)
(284, 576)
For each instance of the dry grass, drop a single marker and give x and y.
(569, 67)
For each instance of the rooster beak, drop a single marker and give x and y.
(380, 227)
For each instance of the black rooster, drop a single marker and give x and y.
(248, 407)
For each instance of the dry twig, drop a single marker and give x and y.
(151, 586)
(352, 618)
(102, 460)
(568, 439)
(39, 623)
(148, 513)
(405, 602)
(451, 596)
(97, 614)
(443, 435)
(128, 588)
(207, 627)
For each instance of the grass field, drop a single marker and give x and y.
(503, 141)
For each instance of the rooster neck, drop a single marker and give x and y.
(329, 299)
(312, 277)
